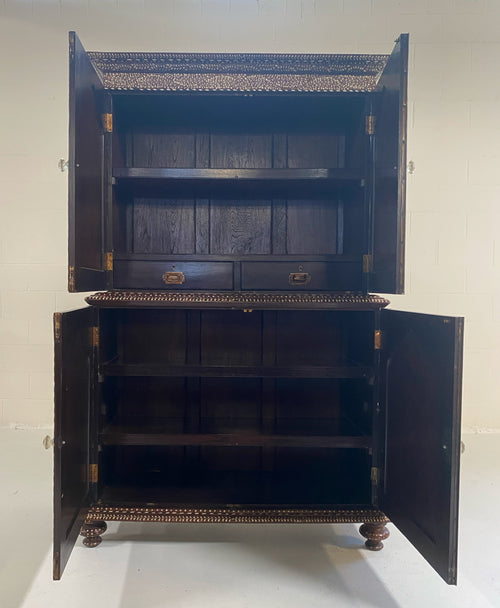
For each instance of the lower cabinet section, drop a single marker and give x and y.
(260, 416)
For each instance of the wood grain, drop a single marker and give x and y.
(164, 226)
(237, 151)
(240, 227)
(311, 226)
(163, 150)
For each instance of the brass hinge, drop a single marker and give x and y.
(370, 124)
(71, 278)
(57, 326)
(377, 344)
(94, 338)
(93, 473)
(367, 263)
(109, 260)
(375, 475)
(107, 123)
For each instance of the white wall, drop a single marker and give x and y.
(453, 228)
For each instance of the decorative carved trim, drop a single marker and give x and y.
(245, 63)
(237, 299)
(239, 72)
(237, 515)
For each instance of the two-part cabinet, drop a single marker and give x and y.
(235, 212)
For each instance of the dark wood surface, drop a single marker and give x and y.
(389, 196)
(134, 436)
(324, 276)
(226, 371)
(423, 367)
(149, 275)
(73, 392)
(145, 474)
(85, 181)
(229, 173)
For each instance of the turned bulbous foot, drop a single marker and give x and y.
(92, 533)
(374, 534)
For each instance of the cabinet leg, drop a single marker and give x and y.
(92, 533)
(374, 534)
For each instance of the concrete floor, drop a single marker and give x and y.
(156, 565)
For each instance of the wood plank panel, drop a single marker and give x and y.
(240, 227)
(235, 151)
(312, 150)
(224, 332)
(164, 226)
(164, 150)
(311, 226)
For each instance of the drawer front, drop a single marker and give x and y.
(302, 276)
(130, 274)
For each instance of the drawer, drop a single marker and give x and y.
(133, 274)
(306, 276)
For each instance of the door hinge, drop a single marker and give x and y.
(94, 337)
(109, 260)
(93, 473)
(57, 327)
(367, 263)
(375, 475)
(71, 278)
(107, 123)
(377, 343)
(370, 124)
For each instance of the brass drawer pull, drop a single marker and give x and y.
(173, 278)
(299, 278)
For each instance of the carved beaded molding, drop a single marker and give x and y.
(239, 72)
(237, 299)
(234, 515)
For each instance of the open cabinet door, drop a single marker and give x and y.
(73, 377)
(389, 183)
(86, 254)
(422, 363)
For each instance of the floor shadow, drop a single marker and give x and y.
(229, 563)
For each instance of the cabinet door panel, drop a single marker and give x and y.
(389, 198)
(73, 397)
(422, 356)
(86, 156)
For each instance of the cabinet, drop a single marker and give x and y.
(237, 211)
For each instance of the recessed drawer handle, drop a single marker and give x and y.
(173, 278)
(299, 278)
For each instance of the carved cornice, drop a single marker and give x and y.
(236, 515)
(239, 300)
(239, 72)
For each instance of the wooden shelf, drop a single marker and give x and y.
(159, 173)
(222, 371)
(263, 257)
(133, 436)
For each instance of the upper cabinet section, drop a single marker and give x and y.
(236, 172)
